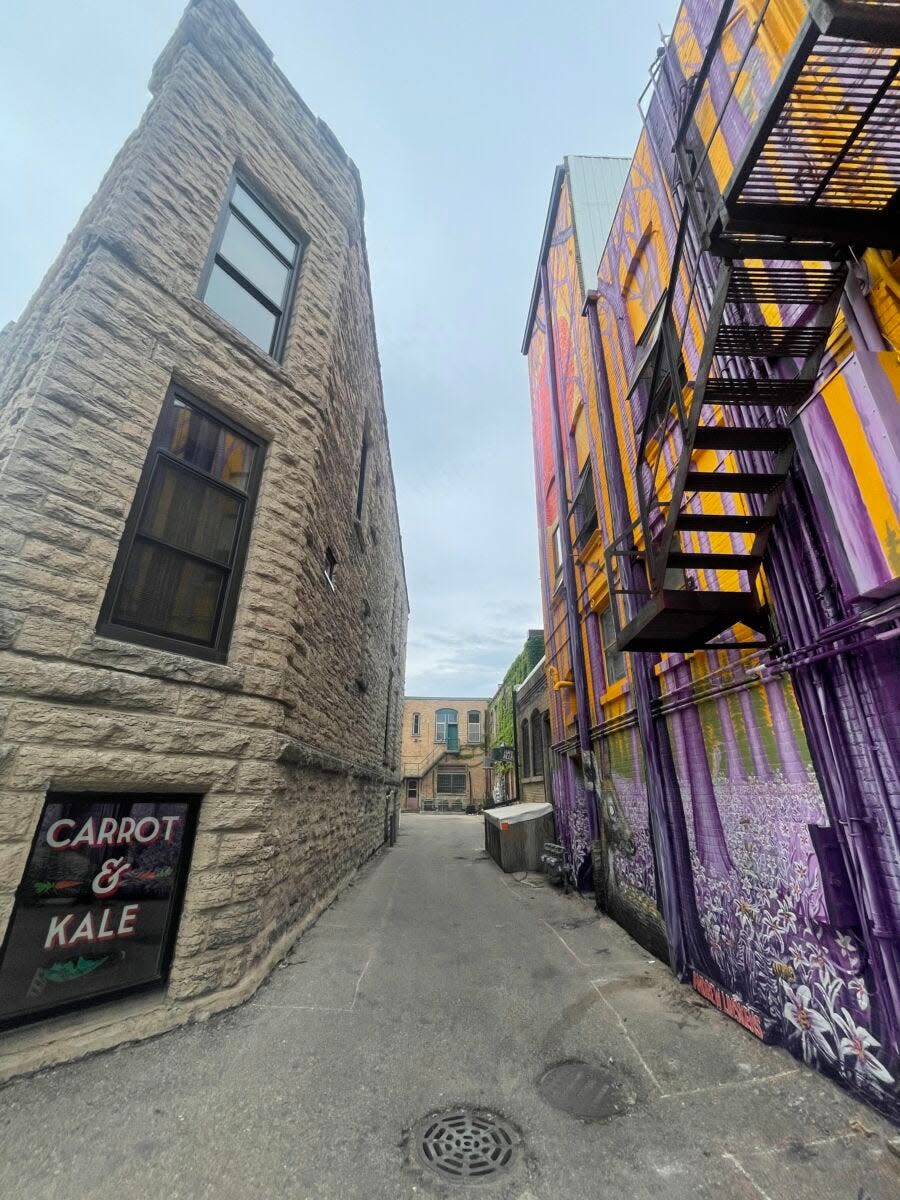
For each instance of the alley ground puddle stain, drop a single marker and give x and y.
(466, 1145)
(585, 1092)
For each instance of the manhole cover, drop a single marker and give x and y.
(466, 1145)
(584, 1092)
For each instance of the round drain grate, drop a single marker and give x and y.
(584, 1092)
(466, 1145)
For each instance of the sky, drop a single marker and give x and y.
(456, 115)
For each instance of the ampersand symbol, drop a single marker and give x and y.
(109, 879)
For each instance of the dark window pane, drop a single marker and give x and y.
(226, 297)
(260, 219)
(204, 443)
(165, 592)
(255, 262)
(189, 513)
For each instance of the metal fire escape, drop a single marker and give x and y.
(818, 181)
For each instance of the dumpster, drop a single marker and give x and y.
(514, 835)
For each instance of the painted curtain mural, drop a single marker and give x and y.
(755, 767)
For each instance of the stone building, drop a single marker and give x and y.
(204, 610)
(442, 760)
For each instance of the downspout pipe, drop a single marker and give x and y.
(582, 716)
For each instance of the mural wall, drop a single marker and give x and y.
(782, 765)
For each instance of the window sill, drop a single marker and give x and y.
(210, 317)
(109, 649)
(589, 547)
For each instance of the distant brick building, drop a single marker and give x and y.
(202, 599)
(443, 760)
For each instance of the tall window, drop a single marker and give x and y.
(178, 570)
(361, 484)
(537, 746)
(615, 660)
(473, 733)
(446, 726)
(250, 274)
(584, 506)
(557, 552)
(416, 724)
(387, 713)
(524, 750)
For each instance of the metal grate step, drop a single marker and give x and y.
(710, 560)
(782, 284)
(722, 522)
(787, 392)
(732, 481)
(770, 341)
(728, 437)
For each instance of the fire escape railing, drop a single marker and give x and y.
(724, 439)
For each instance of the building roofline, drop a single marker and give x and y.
(538, 666)
(555, 192)
(559, 175)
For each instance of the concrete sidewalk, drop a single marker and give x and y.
(437, 981)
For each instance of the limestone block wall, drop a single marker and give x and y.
(294, 740)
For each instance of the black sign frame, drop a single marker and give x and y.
(168, 937)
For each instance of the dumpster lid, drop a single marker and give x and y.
(512, 814)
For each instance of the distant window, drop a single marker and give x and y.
(416, 724)
(473, 734)
(446, 722)
(361, 484)
(557, 551)
(524, 750)
(412, 789)
(330, 567)
(388, 715)
(537, 747)
(177, 575)
(615, 661)
(250, 274)
(452, 783)
(584, 507)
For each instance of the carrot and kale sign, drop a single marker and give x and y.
(97, 909)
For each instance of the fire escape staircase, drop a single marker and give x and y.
(714, 454)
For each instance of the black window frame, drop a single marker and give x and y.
(537, 746)
(361, 480)
(584, 506)
(214, 258)
(607, 638)
(217, 650)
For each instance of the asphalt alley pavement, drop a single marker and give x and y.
(436, 982)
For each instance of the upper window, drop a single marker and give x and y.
(537, 747)
(615, 660)
(416, 724)
(525, 749)
(473, 733)
(584, 506)
(177, 574)
(557, 552)
(446, 725)
(361, 484)
(250, 274)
